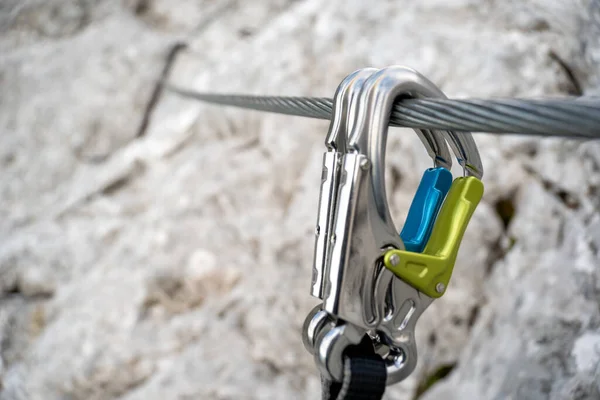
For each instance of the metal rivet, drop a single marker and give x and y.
(318, 230)
(365, 164)
(440, 287)
(394, 259)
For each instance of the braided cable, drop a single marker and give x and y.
(565, 117)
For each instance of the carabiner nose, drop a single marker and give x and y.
(344, 107)
(464, 147)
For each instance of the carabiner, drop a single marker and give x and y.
(364, 228)
(423, 277)
(321, 325)
(369, 281)
(362, 293)
(439, 254)
(426, 203)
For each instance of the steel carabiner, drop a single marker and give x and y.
(359, 290)
(320, 323)
(407, 298)
(432, 190)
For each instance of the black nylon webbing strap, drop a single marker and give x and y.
(364, 375)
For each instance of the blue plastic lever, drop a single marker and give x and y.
(423, 211)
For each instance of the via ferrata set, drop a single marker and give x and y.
(375, 283)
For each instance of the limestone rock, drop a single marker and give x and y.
(174, 261)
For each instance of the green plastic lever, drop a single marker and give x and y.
(430, 271)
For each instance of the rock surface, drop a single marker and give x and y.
(173, 262)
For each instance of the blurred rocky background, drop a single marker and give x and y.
(152, 247)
